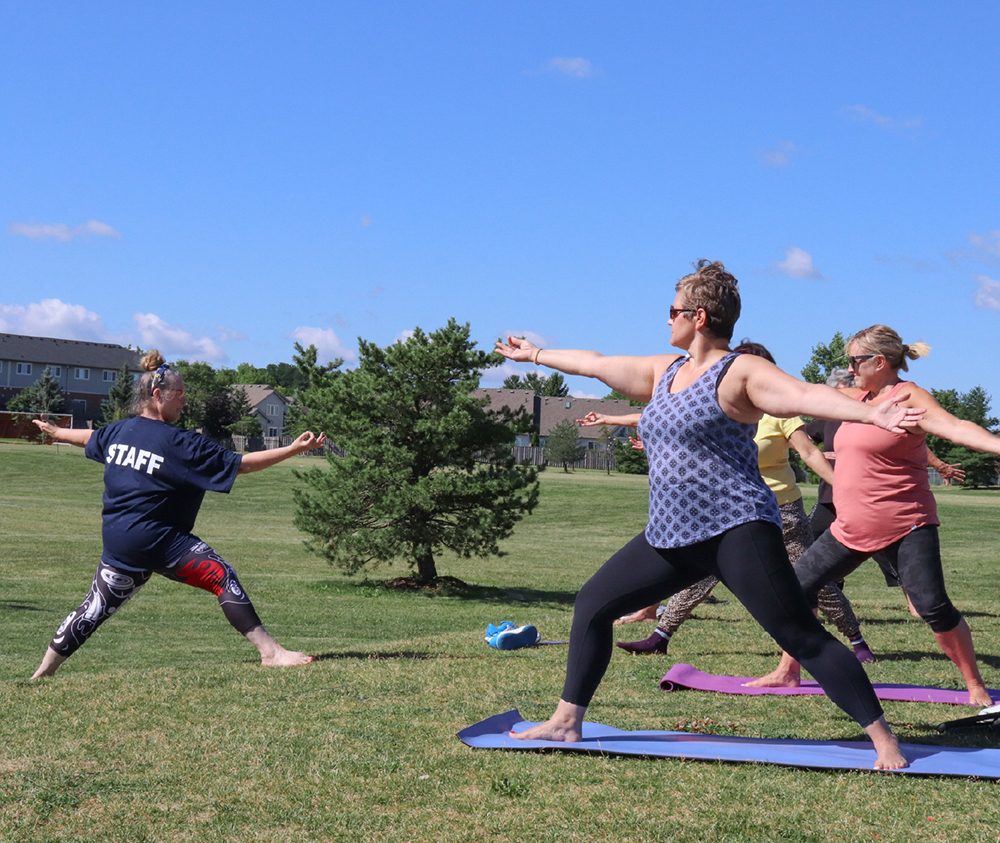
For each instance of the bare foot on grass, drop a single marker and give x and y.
(272, 654)
(50, 664)
(647, 614)
(284, 658)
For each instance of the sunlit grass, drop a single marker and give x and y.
(164, 727)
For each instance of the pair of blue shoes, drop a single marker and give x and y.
(508, 636)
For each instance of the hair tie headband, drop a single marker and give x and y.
(159, 376)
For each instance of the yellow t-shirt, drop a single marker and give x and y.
(772, 456)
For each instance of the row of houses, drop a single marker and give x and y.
(86, 371)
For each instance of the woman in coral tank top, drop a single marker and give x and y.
(884, 503)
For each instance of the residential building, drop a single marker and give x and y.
(268, 406)
(85, 371)
(546, 412)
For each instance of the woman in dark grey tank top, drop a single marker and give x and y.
(702, 418)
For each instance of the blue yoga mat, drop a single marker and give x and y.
(492, 733)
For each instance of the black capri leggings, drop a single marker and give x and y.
(751, 561)
(914, 561)
(113, 587)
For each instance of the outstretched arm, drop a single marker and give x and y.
(259, 460)
(948, 472)
(79, 436)
(592, 419)
(635, 377)
(939, 422)
(760, 386)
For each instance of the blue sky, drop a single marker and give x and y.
(220, 179)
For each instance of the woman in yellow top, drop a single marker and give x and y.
(774, 438)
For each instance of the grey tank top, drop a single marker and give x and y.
(703, 473)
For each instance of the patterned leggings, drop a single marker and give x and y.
(798, 537)
(113, 587)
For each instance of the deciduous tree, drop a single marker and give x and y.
(974, 405)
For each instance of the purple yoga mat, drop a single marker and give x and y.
(925, 760)
(684, 677)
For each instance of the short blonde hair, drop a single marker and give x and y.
(712, 289)
(881, 339)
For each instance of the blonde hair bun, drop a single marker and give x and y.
(152, 361)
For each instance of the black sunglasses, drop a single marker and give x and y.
(677, 311)
(856, 361)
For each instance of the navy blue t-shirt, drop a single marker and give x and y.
(155, 477)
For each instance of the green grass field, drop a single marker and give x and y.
(165, 727)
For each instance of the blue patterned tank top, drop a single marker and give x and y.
(703, 474)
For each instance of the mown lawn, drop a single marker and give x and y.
(164, 727)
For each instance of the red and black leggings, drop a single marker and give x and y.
(113, 587)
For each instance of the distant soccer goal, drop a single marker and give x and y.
(19, 426)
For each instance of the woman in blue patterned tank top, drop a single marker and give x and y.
(710, 512)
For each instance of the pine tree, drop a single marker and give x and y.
(563, 445)
(43, 396)
(118, 404)
(552, 386)
(426, 466)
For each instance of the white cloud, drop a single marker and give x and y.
(61, 231)
(533, 337)
(403, 336)
(580, 68)
(861, 114)
(989, 242)
(366, 220)
(229, 334)
(493, 378)
(577, 393)
(798, 263)
(173, 341)
(328, 344)
(54, 318)
(780, 157)
(987, 294)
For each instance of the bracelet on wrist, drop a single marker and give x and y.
(535, 358)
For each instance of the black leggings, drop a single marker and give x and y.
(752, 563)
(913, 561)
(113, 587)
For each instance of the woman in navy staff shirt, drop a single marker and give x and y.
(155, 477)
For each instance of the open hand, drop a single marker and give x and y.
(309, 440)
(891, 416)
(517, 349)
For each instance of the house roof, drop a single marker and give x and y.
(547, 412)
(47, 350)
(257, 393)
(513, 398)
(555, 410)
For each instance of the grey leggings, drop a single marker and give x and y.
(798, 537)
